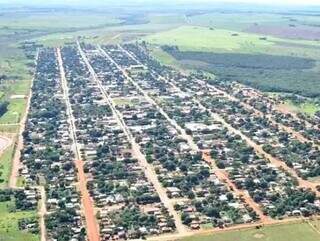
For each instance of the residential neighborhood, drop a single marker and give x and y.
(123, 147)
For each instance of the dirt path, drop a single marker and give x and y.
(148, 169)
(87, 203)
(16, 164)
(5, 142)
(42, 212)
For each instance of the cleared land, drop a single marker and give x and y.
(309, 108)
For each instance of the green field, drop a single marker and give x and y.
(308, 107)
(195, 39)
(290, 232)
(5, 166)
(9, 230)
(15, 111)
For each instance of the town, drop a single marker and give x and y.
(118, 146)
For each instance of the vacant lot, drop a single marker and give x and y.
(15, 111)
(9, 230)
(5, 166)
(307, 107)
(292, 232)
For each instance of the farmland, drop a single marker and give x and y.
(194, 42)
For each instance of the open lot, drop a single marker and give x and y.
(15, 111)
(307, 107)
(9, 230)
(5, 166)
(292, 232)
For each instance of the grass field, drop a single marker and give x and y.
(286, 232)
(5, 166)
(309, 108)
(9, 230)
(9, 128)
(236, 21)
(55, 20)
(15, 110)
(196, 38)
(316, 224)
(221, 41)
(193, 38)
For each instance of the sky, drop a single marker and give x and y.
(105, 2)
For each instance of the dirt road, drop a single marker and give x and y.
(148, 169)
(220, 174)
(87, 203)
(19, 144)
(223, 176)
(42, 212)
(278, 163)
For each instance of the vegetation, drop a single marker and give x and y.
(199, 46)
(5, 166)
(15, 215)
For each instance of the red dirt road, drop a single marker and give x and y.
(92, 225)
(87, 203)
(223, 175)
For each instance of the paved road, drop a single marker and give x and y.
(87, 203)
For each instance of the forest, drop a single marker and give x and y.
(269, 73)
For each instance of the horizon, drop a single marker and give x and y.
(287, 3)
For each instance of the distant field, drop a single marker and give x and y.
(278, 25)
(236, 21)
(292, 32)
(289, 232)
(54, 20)
(201, 46)
(192, 38)
(9, 230)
